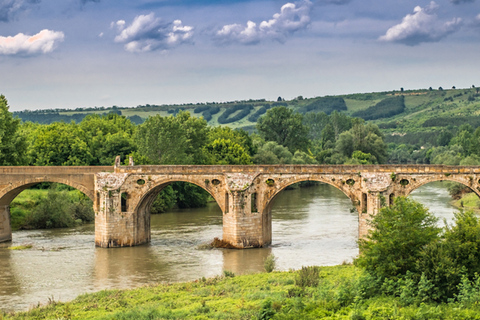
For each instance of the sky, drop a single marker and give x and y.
(93, 53)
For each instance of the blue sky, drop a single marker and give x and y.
(86, 53)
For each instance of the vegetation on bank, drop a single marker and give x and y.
(340, 292)
(56, 207)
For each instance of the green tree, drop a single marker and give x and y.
(13, 145)
(225, 151)
(272, 153)
(237, 136)
(59, 144)
(285, 127)
(394, 243)
(176, 139)
(107, 137)
(366, 138)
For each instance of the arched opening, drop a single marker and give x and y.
(179, 214)
(443, 198)
(43, 205)
(317, 225)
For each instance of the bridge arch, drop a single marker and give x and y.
(286, 183)
(419, 182)
(147, 198)
(12, 191)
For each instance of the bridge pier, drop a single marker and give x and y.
(116, 222)
(5, 225)
(242, 226)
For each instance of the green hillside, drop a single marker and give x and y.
(414, 116)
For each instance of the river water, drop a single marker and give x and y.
(311, 226)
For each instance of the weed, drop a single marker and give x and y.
(228, 274)
(308, 277)
(269, 263)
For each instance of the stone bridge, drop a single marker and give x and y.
(122, 195)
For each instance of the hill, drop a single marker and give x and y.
(413, 116)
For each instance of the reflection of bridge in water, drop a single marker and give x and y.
(122, 195)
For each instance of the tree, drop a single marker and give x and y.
(13, 145)
(272, 153)
(365, 138)
(59, 144)
(283, 126)
(107, 137)
(394, 244)
(225, 151)
(176, 139)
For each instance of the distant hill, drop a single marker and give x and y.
(413, 116)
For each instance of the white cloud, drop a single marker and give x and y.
(148, 33)
(421, 26)
(9, 8)
(292, 17)
(43, 42)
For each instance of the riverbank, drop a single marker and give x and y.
(336, 294)
(468, 201)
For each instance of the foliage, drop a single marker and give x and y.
(225, 151)
(284, 127)
(164, 201)
(13, 145)
(241, 110)
(365, 138)
(272, 153)
(308, 277)
(386, 108)
(270, 263)
(107, 137)
(52, 208)
(172, 140)
(342, 293)
(59, 144)
(393, 245)
(325, 104)
(254, 117)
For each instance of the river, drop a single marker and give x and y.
(311, 226)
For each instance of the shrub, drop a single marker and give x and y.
(308, 277)
(269, 263)
(398, 234)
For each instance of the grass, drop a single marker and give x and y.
(334, 295)
(469, 201)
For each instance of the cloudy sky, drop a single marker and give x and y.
(86, 53)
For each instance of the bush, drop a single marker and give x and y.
(269, 263)
(398, 234)
(308, 277)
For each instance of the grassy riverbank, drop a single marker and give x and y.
(56, 207)
(331, 293)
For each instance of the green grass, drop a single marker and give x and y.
(469, 201)
(276, 295)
